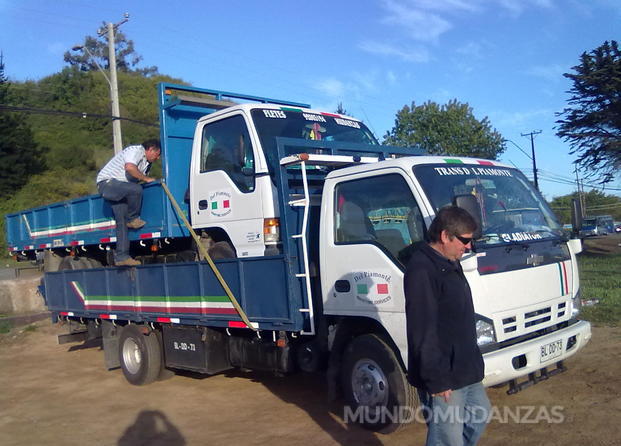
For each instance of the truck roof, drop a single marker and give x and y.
(248, 107)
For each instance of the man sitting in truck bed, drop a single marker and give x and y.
(117, 183)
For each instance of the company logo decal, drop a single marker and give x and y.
(220, 203)
(372, 287)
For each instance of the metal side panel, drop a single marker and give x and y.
(185, 293)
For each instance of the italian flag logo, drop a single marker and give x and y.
(378, 288)
(372, 287)
(220, 204)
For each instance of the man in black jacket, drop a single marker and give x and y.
(444, 360)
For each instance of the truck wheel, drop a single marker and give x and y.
(375, 386)
(51, 261)
(70, 263)
(140, 355)
(222, 250)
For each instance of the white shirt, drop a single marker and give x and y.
(115, 168)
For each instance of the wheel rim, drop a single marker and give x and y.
(132, 357)
(369, 384)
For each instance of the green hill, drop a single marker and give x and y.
(74, 144)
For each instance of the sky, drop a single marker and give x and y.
(505, 58)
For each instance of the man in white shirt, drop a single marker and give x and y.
(118, 183)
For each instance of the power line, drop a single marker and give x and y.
(82, 115)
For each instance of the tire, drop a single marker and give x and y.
(140, 355)
(71, 263)
(222, 250)
(375, 385)
(93, 263)
(51, 261)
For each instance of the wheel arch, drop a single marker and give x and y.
(347, 328)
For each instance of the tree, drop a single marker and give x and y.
(591, 124)
(596, 203)
(340, 109)
(20, 156)
(127, 59)
(449, 129)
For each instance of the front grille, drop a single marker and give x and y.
(533, 319)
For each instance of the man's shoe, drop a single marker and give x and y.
(136, 223)
(128, 262)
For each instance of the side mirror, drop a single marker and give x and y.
(469, 203)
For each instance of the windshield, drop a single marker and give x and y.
(297, 123)
(511, 209)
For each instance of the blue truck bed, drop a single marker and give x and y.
(88, 221)
(181, 293)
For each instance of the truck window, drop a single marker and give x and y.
(512, 210)
(226, 146)
(380, 210)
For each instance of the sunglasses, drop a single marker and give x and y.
(464, 240)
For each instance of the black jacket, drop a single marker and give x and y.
(442, 346)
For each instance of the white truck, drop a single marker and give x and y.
(314, 223)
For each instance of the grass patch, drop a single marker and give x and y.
(5, 327)
(600, 278)
(30, 328)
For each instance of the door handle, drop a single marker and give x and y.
(342, 286)
(202, 204)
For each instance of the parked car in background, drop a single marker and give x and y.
(594, 226)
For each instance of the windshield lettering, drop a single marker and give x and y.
(472, 171)
(520, 237)
(353, 124)
(275, 114)
(315, 118)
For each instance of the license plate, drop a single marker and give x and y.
(551, 351)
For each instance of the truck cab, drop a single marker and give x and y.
(234, 156)
(522, 269)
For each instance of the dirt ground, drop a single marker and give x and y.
(55, 394)
(61, 394)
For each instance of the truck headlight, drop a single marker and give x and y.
(485, 330)
(576, 304)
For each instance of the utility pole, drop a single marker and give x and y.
(114, 87)
(532, 147)
(114, 92)
(580, 192)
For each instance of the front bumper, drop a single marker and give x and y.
(521, 359)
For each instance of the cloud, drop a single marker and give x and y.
(391, 77)
(418, 21)
(331, 87)
(518, 120)
(552, 73)
(426, 20)
(517, 7)
(417, 54)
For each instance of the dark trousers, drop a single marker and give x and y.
(126, 200)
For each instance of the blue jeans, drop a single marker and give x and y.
(461, 421)
(125, 199)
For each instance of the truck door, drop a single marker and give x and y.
(375, 220)
(223, 193)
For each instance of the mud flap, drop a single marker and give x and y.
(110, 334)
